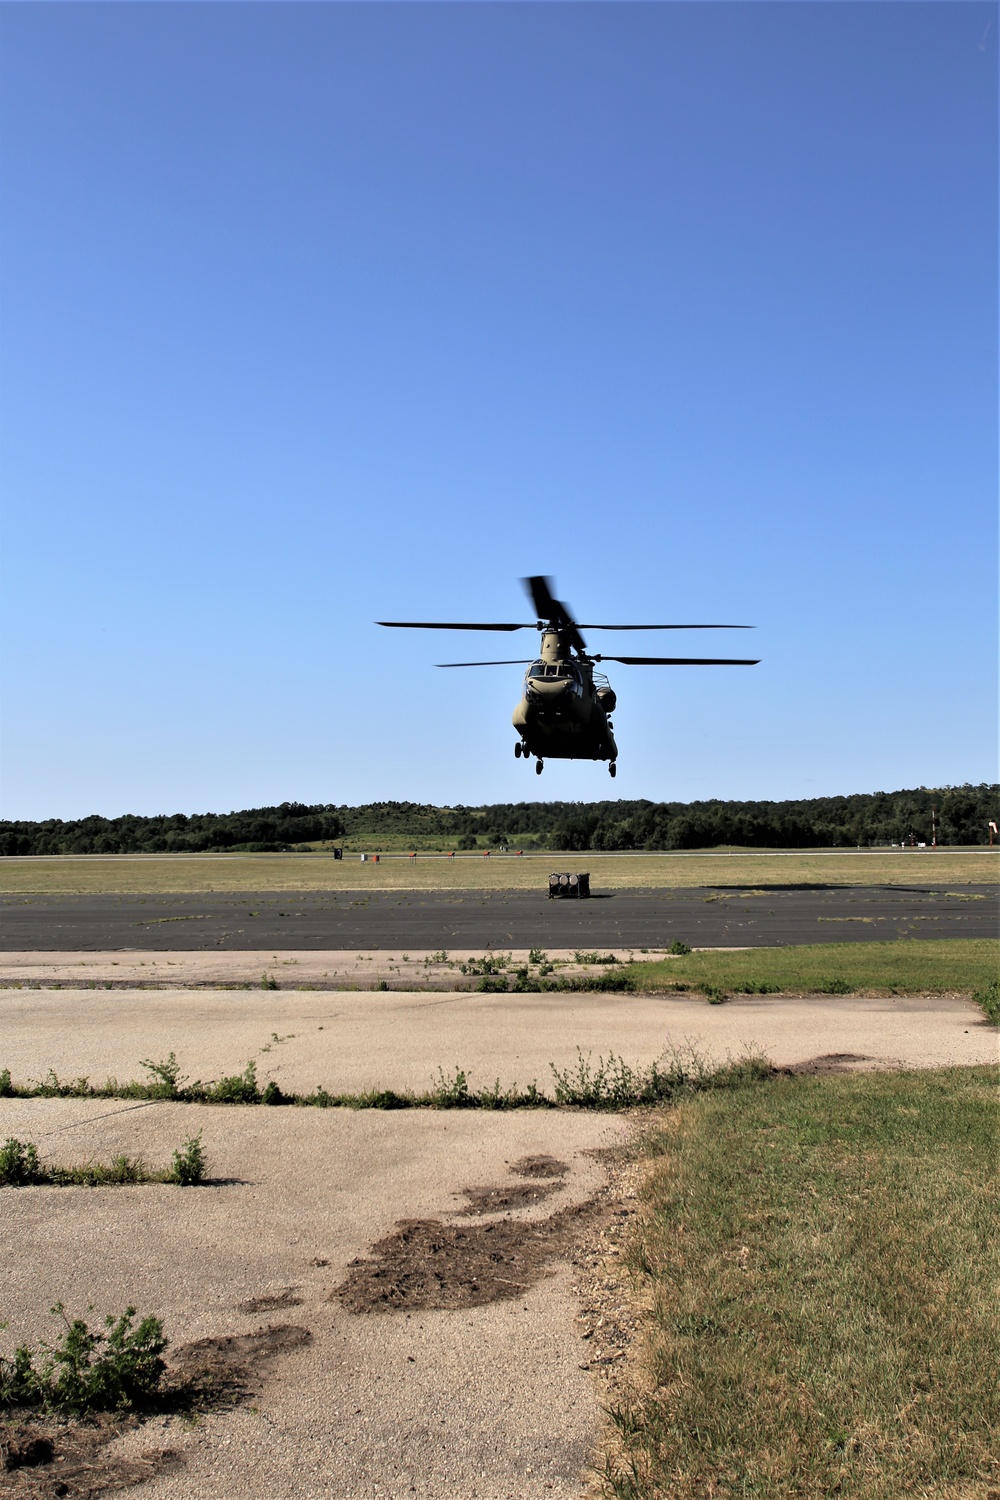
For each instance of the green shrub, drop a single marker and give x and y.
(608, 981)
(451, 1093)
(189, 1165)
(492, 984)
(490, 963)
(19, 1164)
(237, 1088)
(679, 948)
(113, 1371)
(166, 1078)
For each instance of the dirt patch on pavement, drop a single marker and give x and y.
(830, 1062)
(224, 1370)
(41, 1459)
(539, 1166)
(272, 1302)
(425, 1264)
(495, 1200)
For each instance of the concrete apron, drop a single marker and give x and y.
(350, 1042)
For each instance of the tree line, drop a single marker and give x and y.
(961, 815)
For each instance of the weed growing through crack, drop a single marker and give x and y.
(189, 1165)
(490, 963)
(166, 1077)
(451, 1093)
(237, 1088)
(611, 1085)
(20, 1166)
(87, 1371)
(607, 982)
(614, 1084)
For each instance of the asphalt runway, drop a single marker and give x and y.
(718, 917)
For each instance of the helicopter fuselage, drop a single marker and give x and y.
(564, 713)
(566, 709)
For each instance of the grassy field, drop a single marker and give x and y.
(819, 1262)
(152, 873)
(916, 966)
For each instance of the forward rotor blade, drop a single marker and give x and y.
(554, 611)
(526, 663)
(668, 627)
(449, 625)
(679, 661)
(540, 593)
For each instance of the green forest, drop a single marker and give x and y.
(962, 815)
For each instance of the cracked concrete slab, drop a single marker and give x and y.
(487, 1401)
(349, 1042)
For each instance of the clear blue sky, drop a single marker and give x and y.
(319, 314)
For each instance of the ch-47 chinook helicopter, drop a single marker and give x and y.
(567, 706)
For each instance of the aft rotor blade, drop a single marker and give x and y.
(668, 627)
(679, 661)
(525, 663)
(450, 625)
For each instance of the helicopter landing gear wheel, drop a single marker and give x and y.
(539, 765)
(517, 751)
(613, 769)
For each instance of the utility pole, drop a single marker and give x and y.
(933, 827)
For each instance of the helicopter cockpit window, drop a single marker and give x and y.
(538, 670)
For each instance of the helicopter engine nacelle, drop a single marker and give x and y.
(607, 699)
